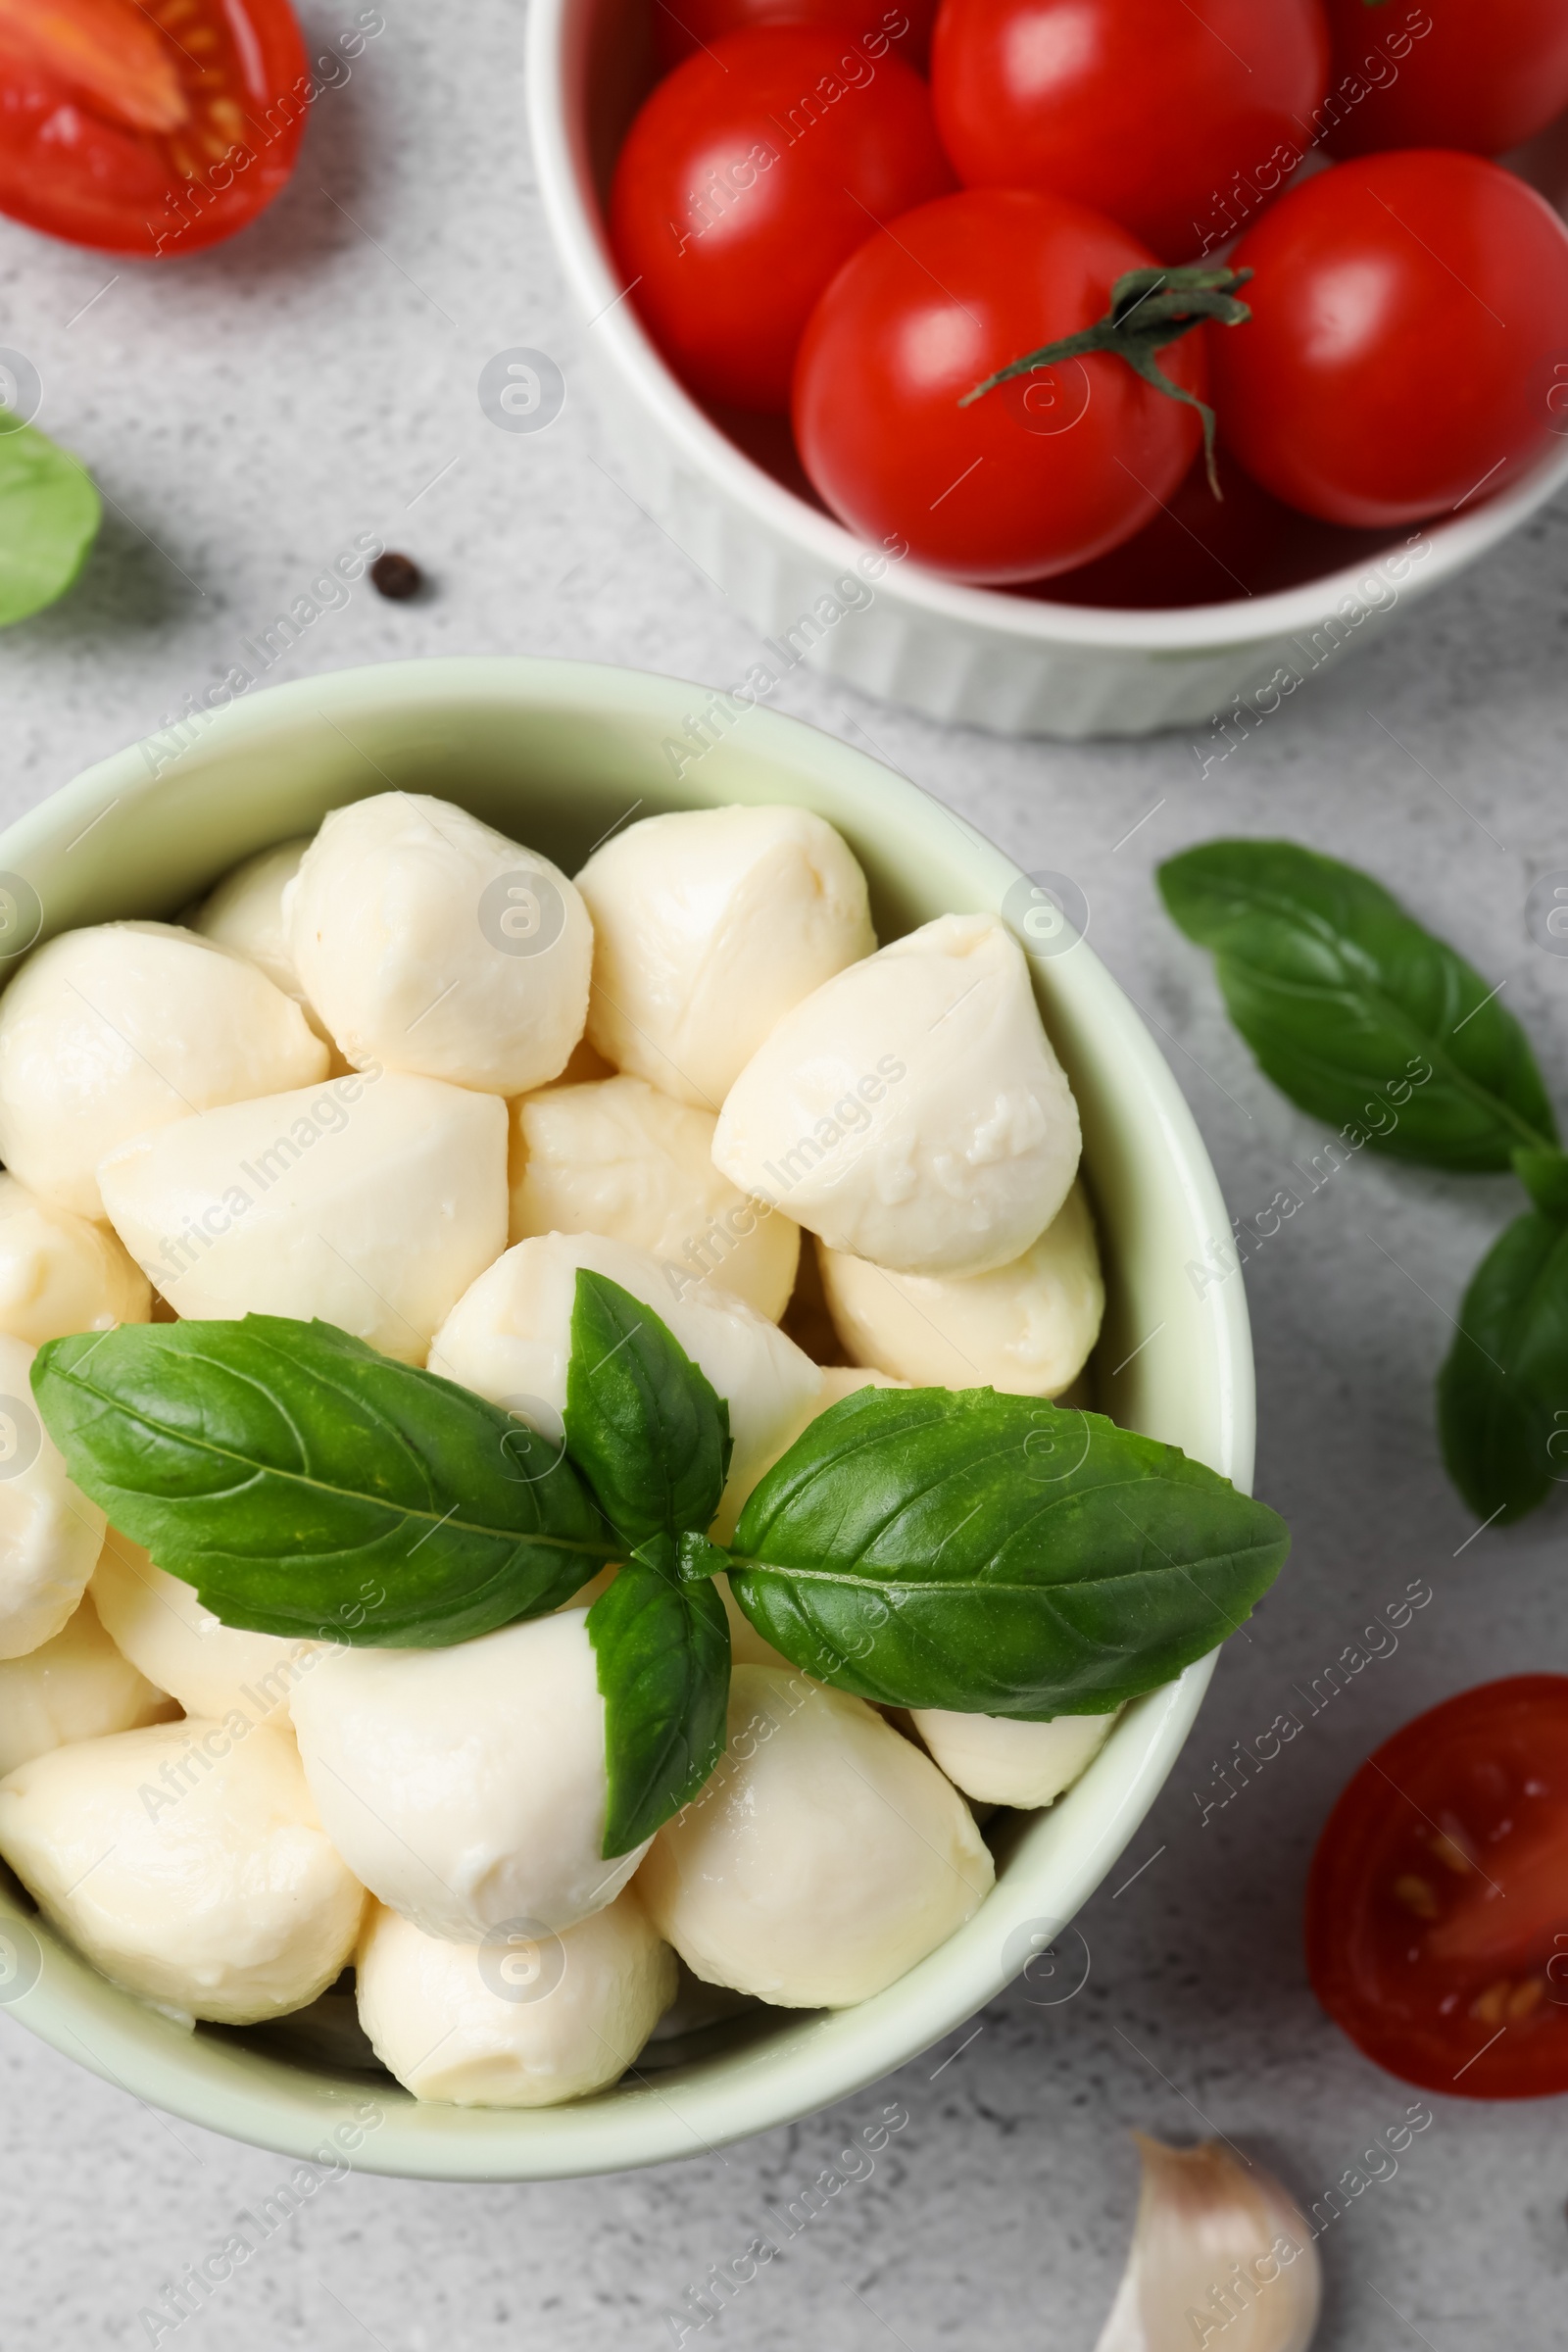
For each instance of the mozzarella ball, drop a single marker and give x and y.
(623, 1160)
(210, 1668)
(466, 1787)
(709, 924)
(824, 1858)
(1027, 1329)
(509, 1337)
(372, 1202)
(60, 1272)
(999, 1762)
(430, 943)
(245, 914)
(187, 1862)
(76, 1686)
(911, 1110)
(114, 1031)
(517, 2021)
(50, 1533)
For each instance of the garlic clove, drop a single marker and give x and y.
(1220, 2257)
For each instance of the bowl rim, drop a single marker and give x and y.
(561, 155)
(810, 2061)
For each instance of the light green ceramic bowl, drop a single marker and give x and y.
(556, 753)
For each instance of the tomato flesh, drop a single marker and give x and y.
(1486, 75)
(1437, 1908)
(748, 178)
(1145, 112)
(1405, 310)
(1043, 474)
(151, 129)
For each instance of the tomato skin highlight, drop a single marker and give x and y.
(1036, 476)
(1487, 75)
(748, 178)
(688, 26)
(1142, 109)
(1404, 308)
(1437, 1905)
(70, 170)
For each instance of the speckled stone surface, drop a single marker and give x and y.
(248, 415)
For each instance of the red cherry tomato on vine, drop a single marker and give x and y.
(1407, 313)
(746, 179)
(1146, 109)
(1484, 74)
(1436, 1907)
(683, 27)
(152, 129)
(1042, 474)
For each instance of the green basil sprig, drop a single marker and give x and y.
(49, 517)
(1338, 991)
(1340, 994)
(993, 1554)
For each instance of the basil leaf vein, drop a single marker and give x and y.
(1340, 993)
(282, 1467)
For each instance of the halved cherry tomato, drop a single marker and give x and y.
(1437, 1908)
(1409, 311)
(683, 27)
(1145, 112)
(1484, 74)
(749, 175)
(1045, 472)
(152, 129)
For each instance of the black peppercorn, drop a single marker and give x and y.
(396, 577)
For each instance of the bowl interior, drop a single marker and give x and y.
(1196, 556)
(558, 755)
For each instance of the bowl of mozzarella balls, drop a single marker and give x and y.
(354, 1058)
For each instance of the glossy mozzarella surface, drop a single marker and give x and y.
(371, 1200)
(708, 925)
(912, 1109)
(187, 1862)
(1027, 1328)
(999, 1762)
(825, 1856)
(110, 1032)
(466, 1787)
(621, 1159)
(210, 1668)
(50, 1533)
(431, 942)
(60, 1272)
(520, 2019)
(77, 1685)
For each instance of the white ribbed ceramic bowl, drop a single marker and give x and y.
(1017, 665)
(556, 754)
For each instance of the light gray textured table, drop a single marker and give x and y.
(247, 414)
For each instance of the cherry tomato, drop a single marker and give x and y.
(749, 175)
(683, 27)
(152, 129)
(1145, 111)
(1486, 75)
(1044, 473)
(1436, 1907)
(1408, 312)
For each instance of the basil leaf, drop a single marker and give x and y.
(662, 1653)
(307, 1484)
(1345, 999)
(49, 517)
(1503, 1394)
(642, 1423)
(995, 1555)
